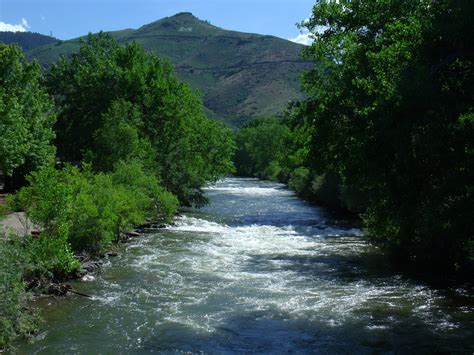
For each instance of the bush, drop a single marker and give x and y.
(50, 257)
(272, 171)
(104, 205)
(159, 203)
(102, 210)
(47, 202)
(353, 199)
(15, 319)
(300, 182)
(82, 211)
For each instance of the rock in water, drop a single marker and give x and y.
(88, 278)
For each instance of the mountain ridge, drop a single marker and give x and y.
(26, 40)
(240, 75)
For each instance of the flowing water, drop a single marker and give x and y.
(257, 271)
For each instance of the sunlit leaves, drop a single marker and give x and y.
(26, 114)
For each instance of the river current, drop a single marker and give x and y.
(256, 271)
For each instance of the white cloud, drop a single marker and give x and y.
(8, 27)
(303, 38)
(43, 18)
(11, 28)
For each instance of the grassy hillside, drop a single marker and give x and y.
(26, 40)
(240, 75)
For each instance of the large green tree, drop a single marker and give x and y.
(26, 114)
(391, 108)
(104, 81)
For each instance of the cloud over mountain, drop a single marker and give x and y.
(303, 38)
(8, 27)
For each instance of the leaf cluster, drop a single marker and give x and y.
(26, 114)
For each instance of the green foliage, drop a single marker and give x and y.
(50, 257)
(81, 210)
(262, 147)
(300, 181)
(47, 202)
(26, 40)
(276, 149)
(26, 114)
(157, 201)
(118, 139)
(15, 319)
(120, 103)
(102, 211)
(390, 109)
(326, 189)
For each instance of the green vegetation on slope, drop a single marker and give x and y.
(26, 40)
(388, 124)
(240, 75)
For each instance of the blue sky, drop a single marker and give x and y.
(72, 18)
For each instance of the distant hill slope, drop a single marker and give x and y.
(241, 75)
(26, 40)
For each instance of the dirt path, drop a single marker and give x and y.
(16, 223)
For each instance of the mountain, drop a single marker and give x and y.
(26, 40)
(240, 75)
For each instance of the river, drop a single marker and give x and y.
(256, 271)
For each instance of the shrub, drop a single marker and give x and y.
(47, 202)
(353, 199)
(51, 257)
(104, 205)
(272, 171)
(300, 182)
(82, 211)
(102, 210)
(160, 203)
(15, 319)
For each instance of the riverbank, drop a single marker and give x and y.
(72, 220)
(23, 285)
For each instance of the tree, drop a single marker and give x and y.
(263, 145)
(390, 105)
(157, 111)
(26, 114)
(119, 137)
